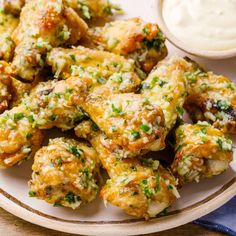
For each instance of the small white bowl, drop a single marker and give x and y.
(181, 45)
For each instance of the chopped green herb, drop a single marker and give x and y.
(57, 204)
(180, 110)
(157, 188)
(94, 127)
(114, 128)
(117, 110)
(72, 56)
(75, 151)
(18, 116)
(192, 77)
(146, 30)
(58, 161)
(220, 143)
(53, 117)
(32, 194)
(101, 80)
(161, 83)
(135, 134)
(30, 119)
(223, 105)
(144, 127)
(29, 136)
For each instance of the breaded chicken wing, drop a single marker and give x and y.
(166, 88)
(142, 188)
(52, 103)
(65, 173)
(129, 120)
(132, 38)
(13, 7)
(90, 9)
(8, 24)
(211, 98)
(202, 151)
(43, 25)
(19, 139)
(84, 62)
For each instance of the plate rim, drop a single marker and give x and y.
(131, 227)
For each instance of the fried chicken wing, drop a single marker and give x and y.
(19, 139)
(166, 87)
(211, 98)
(65, 173)
(202, 151)
(13, 7)
(52, 103)
(43, 25)
(84, 62)
(132, 38)
(90, 9)
(129, 120)
(8, 24)
(142, 188)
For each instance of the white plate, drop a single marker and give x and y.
(94, 219)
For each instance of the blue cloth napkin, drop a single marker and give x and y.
(223, 219)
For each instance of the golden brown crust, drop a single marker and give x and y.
(211, 98)
(142, 188)
(43, 25)
(65, 173)
(202, 151)
(132, 38)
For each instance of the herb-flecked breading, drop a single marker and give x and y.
(19, 139)
(166, 87)
(201, 151)
(84, 62)
(65, 173)
(132, 38)
(211, 98)
(142, 188)
(43, 25)
(8, 24)
(90, 9)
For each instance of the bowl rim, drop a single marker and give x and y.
(229, 53)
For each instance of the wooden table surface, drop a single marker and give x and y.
(13, 226)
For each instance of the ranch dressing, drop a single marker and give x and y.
(202, 24)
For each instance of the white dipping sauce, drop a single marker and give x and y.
(202, 24)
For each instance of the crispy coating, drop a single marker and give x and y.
(166, 87)
(202, 151)
(21, 89)
(8, 24)
(129, 120)
(13, 7)
(132, 38)
(52, 103)
(43, 25)
(211, 98)
(65, 173)
(19, 140)
(142, 188)
(5, 86)
(90, 9)
(84, 62)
